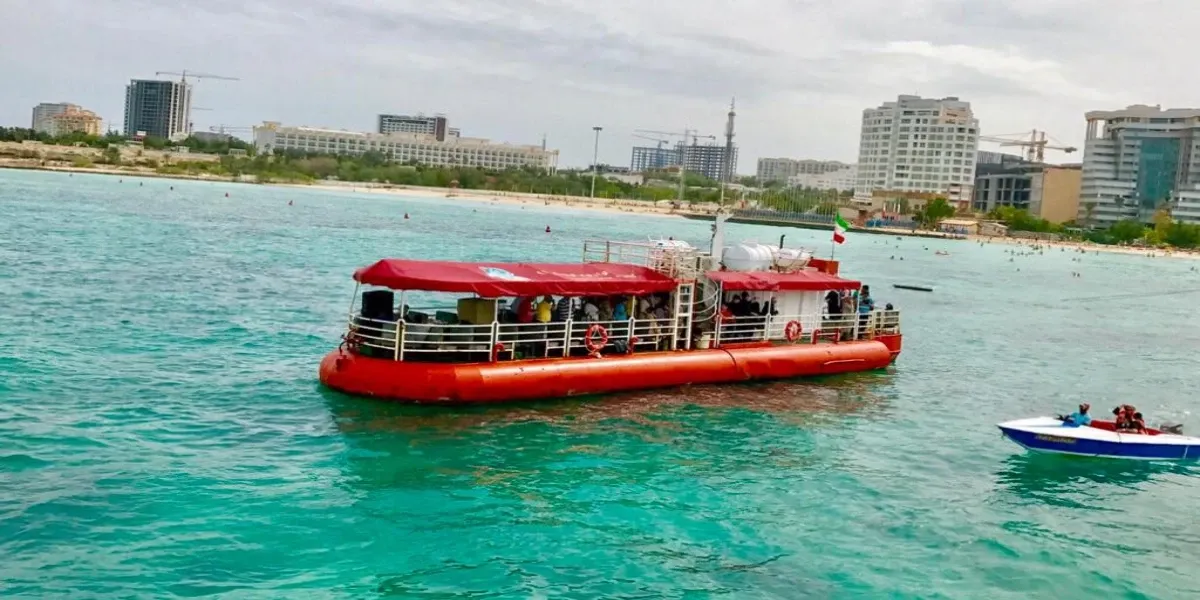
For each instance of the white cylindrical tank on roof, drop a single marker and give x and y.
(788, 259)
(748, 257)
(672, 244)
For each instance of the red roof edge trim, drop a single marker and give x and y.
(496, 280)
(769, 281)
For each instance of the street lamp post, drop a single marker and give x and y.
(595, 159)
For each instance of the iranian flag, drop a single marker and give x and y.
(840, 227)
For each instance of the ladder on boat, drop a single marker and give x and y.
(683, 316)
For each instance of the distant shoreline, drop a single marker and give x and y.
(475, 195)
(641, 207)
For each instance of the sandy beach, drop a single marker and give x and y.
(1085, 247)
(510, 198)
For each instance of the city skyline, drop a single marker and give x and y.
(1021, 65)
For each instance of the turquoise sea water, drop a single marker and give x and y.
(163, 433)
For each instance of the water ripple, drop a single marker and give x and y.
(162, 433)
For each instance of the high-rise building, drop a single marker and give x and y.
(158, 108)
(783, 169)
(437, 125)
(707, 159)
(43, 112)
(918, 145)
(649, 158)
(1138, 160)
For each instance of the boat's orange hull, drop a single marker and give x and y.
(452, 383)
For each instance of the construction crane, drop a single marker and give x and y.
(660, 141)
(184, 74)
(1035, 146)
(688, 134)
(229, 129)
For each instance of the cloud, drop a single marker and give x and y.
(802, 70)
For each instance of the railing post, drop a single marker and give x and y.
(398, 345)
(567, 338)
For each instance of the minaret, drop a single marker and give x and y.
(727, 168)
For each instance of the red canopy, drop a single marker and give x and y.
(769, 281)
(494, 280)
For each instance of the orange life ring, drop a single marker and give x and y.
(589, 338)
(792, 331)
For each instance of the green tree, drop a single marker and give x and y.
(934, 212)
(1126, 231)
(112, 155)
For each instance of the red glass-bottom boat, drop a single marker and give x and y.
(630, 316)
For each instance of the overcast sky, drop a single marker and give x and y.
(512, 70)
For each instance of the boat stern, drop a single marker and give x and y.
(893, 343)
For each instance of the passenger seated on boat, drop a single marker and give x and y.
(735, 306)
(833, 304)
(590, 310)
(768, 308)
(1136, 424)
(620, 310)
(545, 309)
(753, 307)
(524, 310)
(563, 309)
(1127, 419)
(1079, 418)
(866, 304)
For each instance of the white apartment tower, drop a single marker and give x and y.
(44, 113)
(918, 145)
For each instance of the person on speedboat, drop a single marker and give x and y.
(1079, 418)
(1121, 416)
(1133, 423)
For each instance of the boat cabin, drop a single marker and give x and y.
(624, 298)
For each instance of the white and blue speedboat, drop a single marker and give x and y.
(1049, 434)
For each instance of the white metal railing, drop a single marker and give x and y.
(498, 341)
(673, 261)
(811, 328)
(557, 338)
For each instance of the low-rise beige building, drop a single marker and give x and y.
(75, 120)
(1054, 193)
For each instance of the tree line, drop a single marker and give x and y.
(1164, 231)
